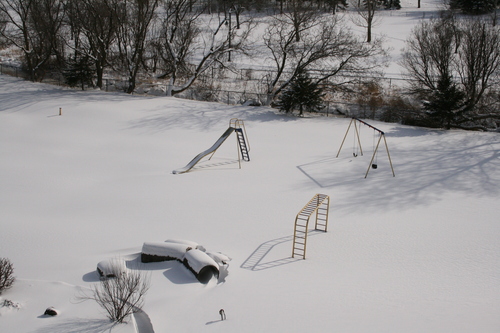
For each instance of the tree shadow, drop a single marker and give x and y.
(198, 116)
(467, 163)
(19, 94)
(78, 325)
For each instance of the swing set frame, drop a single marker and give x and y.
(382, 135)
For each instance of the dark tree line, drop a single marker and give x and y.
(475, 6)
(171, 40)
(87, 38)
(454, 63)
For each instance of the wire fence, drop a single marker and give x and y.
(241, 87)
(11, 70)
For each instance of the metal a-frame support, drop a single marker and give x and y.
(382, 135)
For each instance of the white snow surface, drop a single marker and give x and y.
(418, 252)
(412, 253)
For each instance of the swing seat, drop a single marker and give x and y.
(374, 166)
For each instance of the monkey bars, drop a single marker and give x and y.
(318, 205)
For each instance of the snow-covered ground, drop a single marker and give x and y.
(417, 252)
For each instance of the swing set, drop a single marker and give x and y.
(357, 144)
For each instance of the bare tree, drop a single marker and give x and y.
(479, 68)
(301, 15)
(465, 53)
(121, 295)
(429, 54)
(189, 50)
(6, 274)
(366, 17)
(33, 27)
(326, 47)
(134, 20)
(3, 25)
(94, 25)
(177, 36)
(236, 7)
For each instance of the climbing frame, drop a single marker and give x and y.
(318, 206)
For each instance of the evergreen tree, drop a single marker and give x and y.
(79, 72)
(392, 4)
(336, 5)
(474, 6)
(373, 4)
(446, 103)
(302, 95)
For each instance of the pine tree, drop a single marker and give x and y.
(392, 4)
(302, 95)
(373, 4)
(446, 103)
(474, 6)
(336, 5)
(79, 72)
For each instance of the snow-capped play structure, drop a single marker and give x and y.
(357, 144)
(204, 265)
(318, 206)
(235, 125)
(111, 268)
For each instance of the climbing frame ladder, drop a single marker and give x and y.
(318, 205)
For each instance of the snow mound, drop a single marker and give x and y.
(111, 268)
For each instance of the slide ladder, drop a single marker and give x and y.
(242, 144)
(318, 206)
(241, 133)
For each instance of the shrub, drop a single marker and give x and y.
(120, 296)
(6, 274)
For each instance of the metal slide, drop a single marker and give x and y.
(210, 150)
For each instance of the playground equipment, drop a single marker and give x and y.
(357, 144)
(235, 125)
(318, 205)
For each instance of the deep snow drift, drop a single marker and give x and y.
(418, 252)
